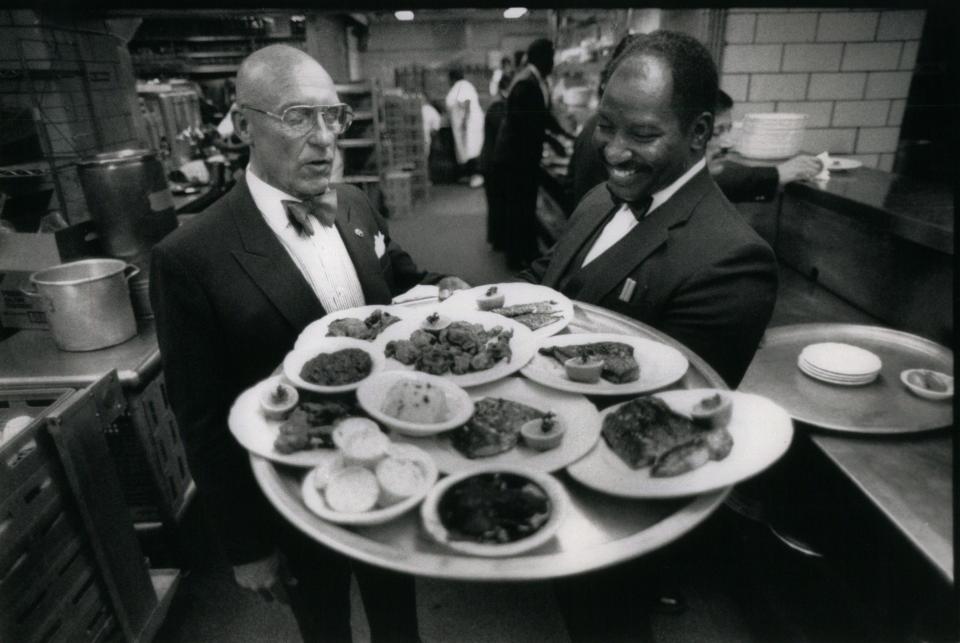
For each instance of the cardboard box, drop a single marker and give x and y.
(23, 254)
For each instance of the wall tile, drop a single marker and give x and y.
(848, 85)
(835, 141)
(751, 58)
(818, 112)
(860, 113)
(796, 27)
(739, 27)
(908, 57)
(893, 84)
(870, 56)
(824, 57)
(765, 87)
(742, 109)
(878, 139)
(868, 160)
(853, 26)
(735, 85)
(886, 162)
(896, 111)
(901, 25)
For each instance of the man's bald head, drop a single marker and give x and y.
(269, 72)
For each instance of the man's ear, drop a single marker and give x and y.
(700, 131)
(241, 125)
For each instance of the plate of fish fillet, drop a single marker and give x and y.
(541, 309)
(631, 364)
(684, 442)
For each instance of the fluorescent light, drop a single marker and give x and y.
(515, 12)
(403, 15)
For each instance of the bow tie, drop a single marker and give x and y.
(322, 206)
(638, 208)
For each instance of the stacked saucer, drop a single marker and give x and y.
(842, 364)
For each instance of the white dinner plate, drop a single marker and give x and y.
(660, 365)
(576, 413)
(522, 344)
(257, 434)
(836, 358)
(318, 329)
(515, 293)
(295, 360)
(316, 503)
(842, 165)
(761, 432)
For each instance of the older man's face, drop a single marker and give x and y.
(640, 139)
(298, 164)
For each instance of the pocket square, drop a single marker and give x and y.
(379, 244)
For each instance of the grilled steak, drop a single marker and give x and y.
(537, 307)
(619, 364)
(533, 321)
(494, 427)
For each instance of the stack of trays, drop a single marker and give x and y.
(771, 136)
(841, 364)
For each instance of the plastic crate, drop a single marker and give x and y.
(50, 586)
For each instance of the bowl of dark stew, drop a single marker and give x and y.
(331, 364)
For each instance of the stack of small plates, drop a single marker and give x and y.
(771, 136)
(841, 364)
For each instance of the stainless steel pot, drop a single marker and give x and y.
(87, 302)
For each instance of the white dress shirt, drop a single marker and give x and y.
(623, 221)
(322, 257)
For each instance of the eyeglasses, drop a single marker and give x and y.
(301, 119)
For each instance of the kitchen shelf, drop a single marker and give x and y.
(361, 178)
(346, 143)
(363, 115)
(202, 39)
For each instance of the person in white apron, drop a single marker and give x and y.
(466, 120)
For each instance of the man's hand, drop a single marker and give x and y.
(448, 285)
(799, 168)
(265, 577)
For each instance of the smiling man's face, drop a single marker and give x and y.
(298, 164)
(640, 137)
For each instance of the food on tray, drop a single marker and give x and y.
(324, 471)
(435, 322)
(543, 434)
(494, 508)
(277, 401)
(353, 489)
(712, 411)
(533, 315)
(492, 298)
(399, 478)
(619, 364)
(368, 328)
(344, 366)
(646, 432)
(311, 425)
(413, 401)
(494, 427)
(930, 380)
(585, 368)
(460, 347)
(361, 441)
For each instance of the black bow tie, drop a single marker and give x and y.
(638, 208)
(322, 206)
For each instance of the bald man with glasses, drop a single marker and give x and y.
(231, 292)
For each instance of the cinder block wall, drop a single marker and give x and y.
(77, 78)
(849, 70)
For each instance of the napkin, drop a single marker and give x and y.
(418, 292)
(824, 174)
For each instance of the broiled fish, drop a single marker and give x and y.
(494, 427)
(619, 364)
(535, 307)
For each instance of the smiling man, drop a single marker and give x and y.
(234, 288)
(658, 241)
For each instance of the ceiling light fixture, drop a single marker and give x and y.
(405, 16)
(515, 12)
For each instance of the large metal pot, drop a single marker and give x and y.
(87, 302)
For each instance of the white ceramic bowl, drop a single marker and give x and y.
(372, 393)
(924, 392)
(559, 502)
(295, 359)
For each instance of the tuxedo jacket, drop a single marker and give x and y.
(229, 304)
(692, 268)
(520, 138)
(740, 183)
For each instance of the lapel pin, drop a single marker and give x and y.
(358, 232)
(627, 291)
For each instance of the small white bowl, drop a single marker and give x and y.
(559, 502)
(294, 361)
(534, 437)
(442, 322)
(489, 302)
(924, 392)
(271, 409)
(372, 393)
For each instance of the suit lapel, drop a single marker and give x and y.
(584, 221)
(269, 265)
(361, 249)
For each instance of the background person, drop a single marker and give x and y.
(497, 230)
(466, 120)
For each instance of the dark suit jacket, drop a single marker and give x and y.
(229, 304)
(520, 139)
(702, 275)
(586, 169)
(741, 183)
(491, 127)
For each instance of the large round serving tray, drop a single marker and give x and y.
(884, 406)
(600, 530)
